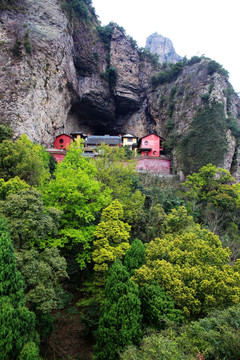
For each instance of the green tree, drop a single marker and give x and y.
(81, 197)
(17, 323)
(118, 174)
(155, 347)
(135, 256)
(120, 323)
(43, 273)
(12, 186)
(194, 270)
(29, 221)
(158, 309)
(214, 200)
(216, 336)
(30, 351)
(112, 237)
(212, 338)
(24, 159)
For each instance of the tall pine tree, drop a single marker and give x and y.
(17, 323)
(120, 323)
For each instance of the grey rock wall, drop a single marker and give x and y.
(163, 47)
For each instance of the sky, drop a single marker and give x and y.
(205, 27)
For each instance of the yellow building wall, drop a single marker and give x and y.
(128, 143)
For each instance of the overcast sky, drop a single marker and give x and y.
(205, 27)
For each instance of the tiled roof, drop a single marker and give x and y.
(129, 136)
(151, 134)
(63, 134)
(107, 139)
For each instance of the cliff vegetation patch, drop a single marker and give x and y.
(205, 141)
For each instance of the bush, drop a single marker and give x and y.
(78, 8)
(105, 33)
(16, 50)
(112, 77)
(214, 66)
(168, 75)
(6, 133)
(27, 44)
(233, 125)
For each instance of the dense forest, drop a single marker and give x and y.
(99, 262)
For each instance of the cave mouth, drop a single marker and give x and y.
(89, 119)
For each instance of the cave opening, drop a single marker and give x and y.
(89, 119)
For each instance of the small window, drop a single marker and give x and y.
(161, 144)
(154, 152)
(130, 140)
(145, 142)
(61, 141)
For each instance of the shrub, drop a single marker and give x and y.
(27, 44)
(112, 77)
(233, 125)
(6, 133)
(16, 50)
(78, 8)
(105, 33)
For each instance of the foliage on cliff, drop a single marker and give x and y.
(205, 141)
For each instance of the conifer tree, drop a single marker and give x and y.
(17, 323)
(135, 256)
(119, 324)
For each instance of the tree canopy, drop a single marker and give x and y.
(17, 323)
(24, 159)
(194, 270)
(120, 323)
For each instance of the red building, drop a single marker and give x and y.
(62, 142)
(153, 159)
(151, 145)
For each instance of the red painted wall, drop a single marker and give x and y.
(151, 141)
(59, 157)
(154, 165)
(62, 142)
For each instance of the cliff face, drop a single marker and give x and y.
(33, 87)
(59, 73)
(163, 47)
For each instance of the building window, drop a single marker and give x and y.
(145, 142)
(154, 152)
(161, 144)
(130, 140)
(61, 141)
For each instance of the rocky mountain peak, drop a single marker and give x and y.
(163, 47)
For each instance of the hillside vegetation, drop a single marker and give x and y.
(140, 265)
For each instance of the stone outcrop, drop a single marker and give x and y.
(61, 83)
(163, 47)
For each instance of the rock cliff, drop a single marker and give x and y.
(60, 71)
(163, 47)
